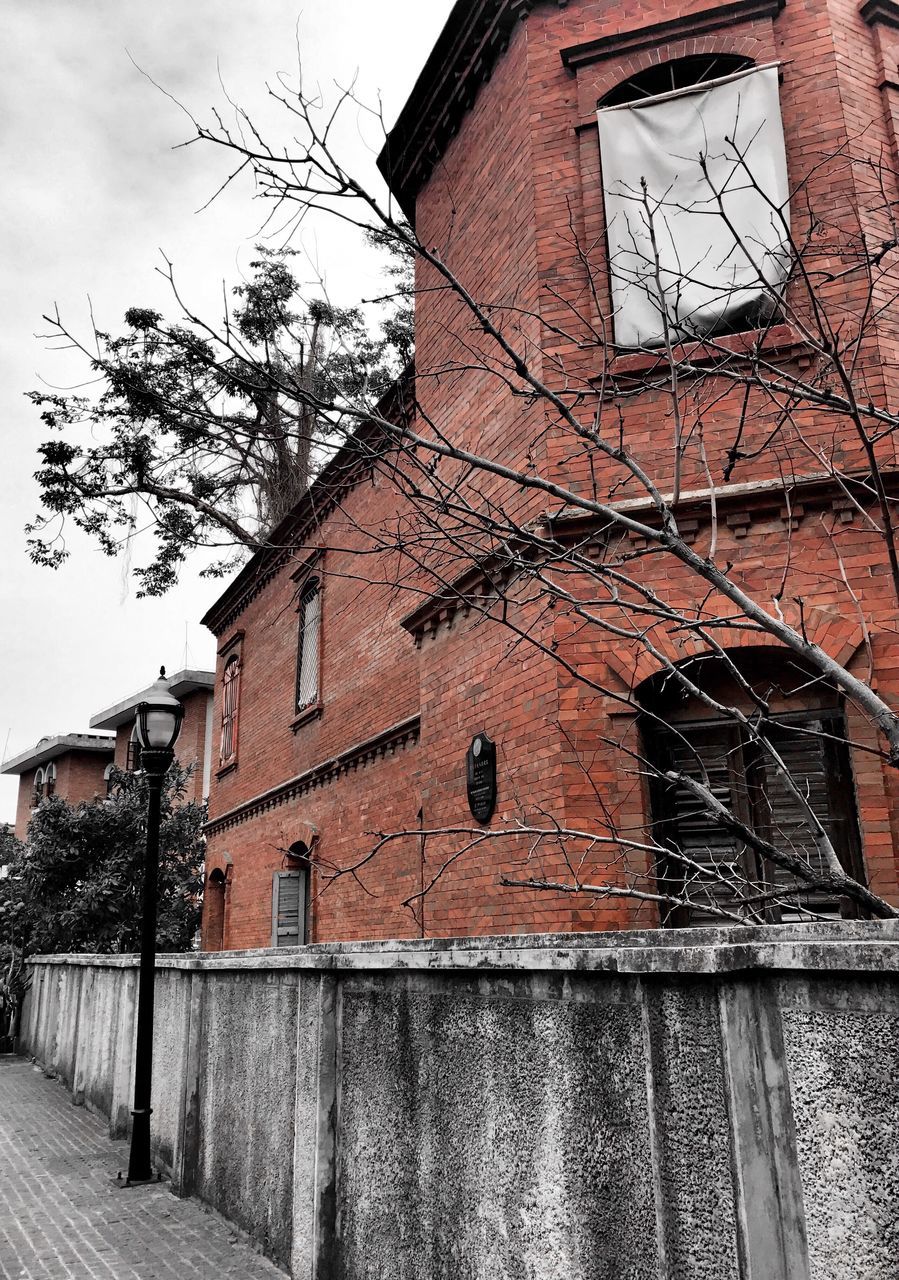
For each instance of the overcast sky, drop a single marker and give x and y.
(93, 189)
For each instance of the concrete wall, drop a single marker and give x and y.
(669, 1106)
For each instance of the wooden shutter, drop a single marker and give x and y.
(818, 765)
(743, 777)
(713, 755)
(289, 909)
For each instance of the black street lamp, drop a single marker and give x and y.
(158, 722)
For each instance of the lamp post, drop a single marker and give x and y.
(158, 722)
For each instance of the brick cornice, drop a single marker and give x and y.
(350, 464)
(692, 24)
(388, 741)
(737, 505)
(476, 34)
(885, 11)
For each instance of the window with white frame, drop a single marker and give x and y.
(50, 780)
(309, 647)
(696, 198)
(37, 793)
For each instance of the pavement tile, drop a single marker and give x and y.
(62, 1219)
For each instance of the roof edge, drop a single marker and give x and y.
(59, 745)
(475, 36)
(181, 685)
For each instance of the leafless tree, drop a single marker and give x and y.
(775, 395)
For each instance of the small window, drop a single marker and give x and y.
(308, 647)
(37, 794)
(50, 781)
(132, 764)
(107, 778)
(230, 708)
(289, 895)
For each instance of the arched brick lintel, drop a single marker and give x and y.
(841, 638)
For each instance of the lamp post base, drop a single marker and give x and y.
(121, 1183)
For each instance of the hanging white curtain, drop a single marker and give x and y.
(705, 246)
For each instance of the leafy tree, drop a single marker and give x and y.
(208, 434)
(75, 886)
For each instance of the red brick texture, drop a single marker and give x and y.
(515, 207)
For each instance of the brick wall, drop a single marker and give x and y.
(514, 206)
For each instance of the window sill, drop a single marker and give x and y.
(226, 769)
(312, 712)
(778, 339)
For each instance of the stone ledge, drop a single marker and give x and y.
(849, 946)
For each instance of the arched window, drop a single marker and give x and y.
(230, 709)
(37, 794)
(696, 200)
(776, 776)
(668, 77)
(50, 780)
(107, 778)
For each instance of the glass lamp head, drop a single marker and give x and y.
(159, 717)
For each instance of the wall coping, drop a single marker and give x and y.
(854, 946)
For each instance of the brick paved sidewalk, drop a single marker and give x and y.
(60, 1217)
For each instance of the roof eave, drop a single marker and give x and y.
(55, 747)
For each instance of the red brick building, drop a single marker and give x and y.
(193, 689)
(342, 711)
(73, 766)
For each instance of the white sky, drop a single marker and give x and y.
(92, 190)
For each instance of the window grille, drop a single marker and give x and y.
(230, 706)
(132, 764)
(308, 648)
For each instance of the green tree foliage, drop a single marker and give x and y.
(75, 886)
(208, 434)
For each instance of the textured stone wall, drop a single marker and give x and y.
(704, 1105)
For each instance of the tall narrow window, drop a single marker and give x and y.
(50, 781)
(230, 707)
(289, 908)
(308, 647)
(107, 777)
(37, 794)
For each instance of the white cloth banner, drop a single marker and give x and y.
(704, 248)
